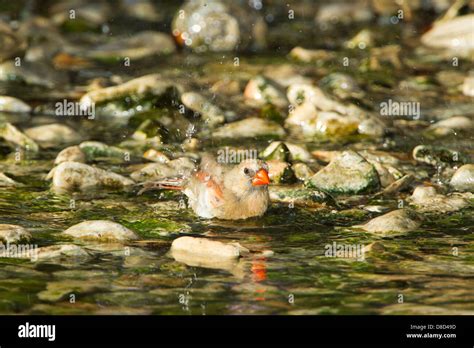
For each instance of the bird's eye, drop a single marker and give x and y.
(246, 171)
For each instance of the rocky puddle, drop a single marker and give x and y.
(364, 118)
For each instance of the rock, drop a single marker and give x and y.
(302, 171)
(135, 93)
(5, 181)
(348, 173)
(70, 154)
(13, 233)
(342, 86)
(308, 55)
(454, 35)
(138, 46)
(468, 85)
(397, 186)
(260, 91)
(249, 128)
(315, 113)
(10, 42)
(437, 156)
(396, 222)
(95, 149)
(100, 230)
(60, 290)
(343, 13)
(15, 138)
(182, 166)
(53, 135)
(363, 39)
(10, 104)
(39, 74)
(68, 252)
(463, 178)
(451, 125)
(280, 172)
(211, 113)
(71, 176)
(156, 156)
(285, 151)
(298, 195)
(427, 200)
(210, 249)
(232, 26)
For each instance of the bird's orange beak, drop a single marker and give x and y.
(261, 178)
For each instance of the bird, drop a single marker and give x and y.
(218, 191)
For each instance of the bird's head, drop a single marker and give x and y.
(250, 175)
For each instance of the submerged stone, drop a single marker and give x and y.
(72, 176)
(249, 128)
(427, 200)
(100, 230)
(463, 178)
(205, 247)
(260, 91)
(16, 138)
(299, 195)
(5, 181)
(70, 154)
(13, 233)
(396, 222)
(53, 135)
(347, 173)
(10, 104)
(437, 155)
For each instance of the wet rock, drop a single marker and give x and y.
(58, 252)
(454, 35)
(308, 55)
(280, 172)
(342, 86)
(156, 156)
(318, 114)
(16, 138)
(100, 230)
(5, 181)
(302, 171)
(298, 195)
(396, 222)
(427, 200)
(72, 176)
(452, 125)
(463, 178)
(343, 13)
(191, 144)
(61, 290)
(213, 250)
(11, 43)
(249, 128)
(468, 85)
(141, 9)
(94, 150)
(148, 134)
(437, 156)
(284, 151)
(347, 173)
(13, 233)
(134, 94)
(182, 166)
(87, 16)
(397, 186)
(260, 91)
(211, 113)
(10, 104)
(364, 38)
(33, 74)
(232, 26)
(53, 135)
(70, 154)
(135, 47)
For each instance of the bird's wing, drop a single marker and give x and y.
(211, 167)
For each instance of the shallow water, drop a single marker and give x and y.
(428, 271)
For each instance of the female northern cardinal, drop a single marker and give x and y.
(215, 191)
